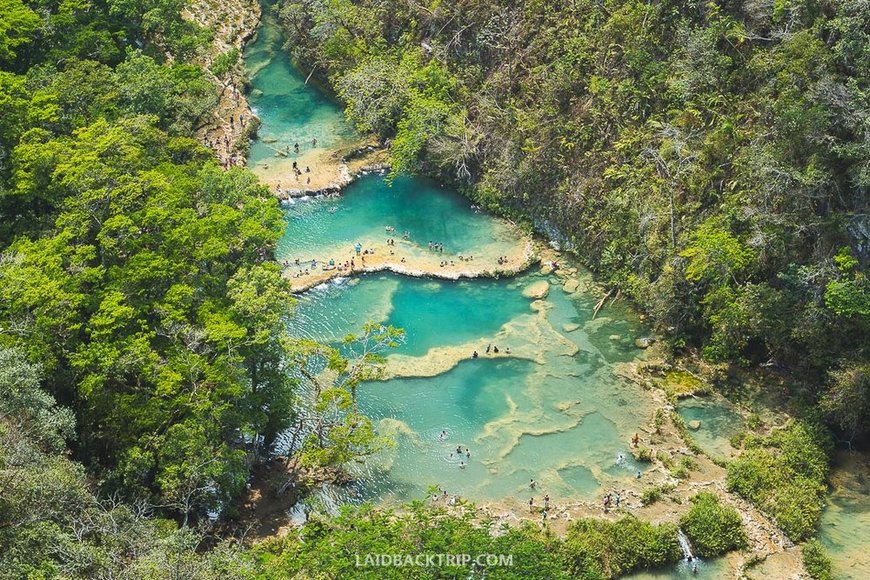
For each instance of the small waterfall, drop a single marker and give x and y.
(685, 546)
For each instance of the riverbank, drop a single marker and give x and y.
(234, 22)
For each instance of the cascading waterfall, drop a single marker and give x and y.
(685, 546)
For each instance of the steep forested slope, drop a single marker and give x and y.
(135, 271)
(711, 160)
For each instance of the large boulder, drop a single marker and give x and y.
(694, 425)
(537, 290)
(571, 285)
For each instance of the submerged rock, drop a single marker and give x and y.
(694, 425)
(570, 327)
(571, 285)
(644, 342)
(537, 290)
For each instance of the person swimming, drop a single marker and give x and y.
(533, 484)
(461, 465)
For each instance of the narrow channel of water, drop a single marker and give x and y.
(845, 525)
(292, 112)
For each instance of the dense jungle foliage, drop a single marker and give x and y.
(590, 549)
(144, 352)
(710, 160)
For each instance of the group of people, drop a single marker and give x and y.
(442, 494)
(233, 120)
(436, 247)
(491, 348)
(502, 260)
(307, 267)
(533, 485)
(297, 172)
(610, 499)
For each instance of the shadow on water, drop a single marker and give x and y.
(845, 525)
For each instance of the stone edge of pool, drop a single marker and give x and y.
(383, 263)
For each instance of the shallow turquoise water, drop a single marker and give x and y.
(327, 228)
(563, 419)
(291, 111)
(432, 312)
(845, 525)
(719, 422)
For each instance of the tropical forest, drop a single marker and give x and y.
(448, 289)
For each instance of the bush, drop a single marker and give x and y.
(643, 454)
(784, 475)
(713, 528)
(816, 561)
(651, 495)
(596, 548)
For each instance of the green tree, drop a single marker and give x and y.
(18, 25)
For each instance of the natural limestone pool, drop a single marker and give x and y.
(292, 112)
(553, 410)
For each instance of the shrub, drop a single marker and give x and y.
(784, 475)
(816, 561)
(596, 548)
(713, 528)
(651, 495)
(643, 454)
